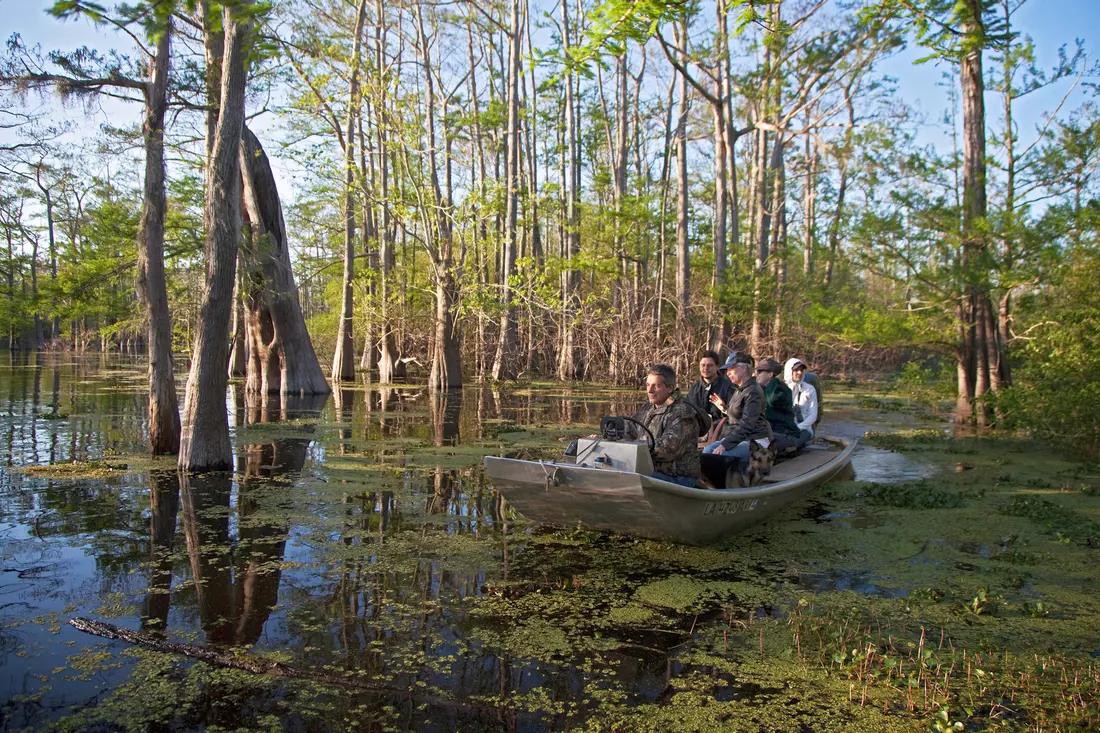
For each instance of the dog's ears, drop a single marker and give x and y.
(754, 448)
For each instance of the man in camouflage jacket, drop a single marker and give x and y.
(675, 426)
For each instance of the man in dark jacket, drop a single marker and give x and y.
(674, 424)
(710, 382)
(745, 418)
(779, 410)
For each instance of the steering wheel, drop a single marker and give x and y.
(649, 437)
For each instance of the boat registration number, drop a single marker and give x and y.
(729, 507)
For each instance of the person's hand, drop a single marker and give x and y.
(593, 436)
(719, 450)
(718, 402)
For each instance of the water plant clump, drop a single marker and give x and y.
(920, 439)
(91, 469)
(1062, 521)
(931, 673)
(924, 494)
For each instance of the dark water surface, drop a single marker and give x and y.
(357, 536)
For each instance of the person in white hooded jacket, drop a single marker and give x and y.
(805, 396)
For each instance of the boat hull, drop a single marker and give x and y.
(566, 495)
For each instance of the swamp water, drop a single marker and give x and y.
(358, 543)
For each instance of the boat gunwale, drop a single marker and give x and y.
(691, 492)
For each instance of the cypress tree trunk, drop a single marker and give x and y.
(164, 419)
(238, 351)
(506, 338)
(388, 349)
(683, 266)
(281, 355)
(842, 189)
(343, 361)
(446, 367)
(204, 443)
(809, 215)
(570, 365)
(974, 208)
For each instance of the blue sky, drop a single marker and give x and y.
(1051, 23)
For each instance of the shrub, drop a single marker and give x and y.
(1057, 387)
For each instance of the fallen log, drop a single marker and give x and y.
(258, 665)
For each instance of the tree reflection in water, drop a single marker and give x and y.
(358, 538)
(236, 579)
(446, 406)
(164, 499)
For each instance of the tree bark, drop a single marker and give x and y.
(204, 443)
(281, 355)
(164, 418)
(343, 361)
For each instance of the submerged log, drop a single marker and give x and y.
(247, 663)
(258, 665)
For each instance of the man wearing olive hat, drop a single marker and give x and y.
(780, 407)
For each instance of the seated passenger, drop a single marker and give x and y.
(710, 382)
(674, 424)
(804, 395)
(745, 418)
(779, 410)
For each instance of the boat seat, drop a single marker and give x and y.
(805, 461)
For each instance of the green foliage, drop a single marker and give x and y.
(1058, 384)
(89, 283)
(951, 28)
(927, 384)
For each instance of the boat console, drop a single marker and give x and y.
(617, 455)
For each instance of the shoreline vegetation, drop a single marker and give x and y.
(533, 190)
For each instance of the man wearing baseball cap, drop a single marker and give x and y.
(745, 418)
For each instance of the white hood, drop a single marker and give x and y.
(787, 369)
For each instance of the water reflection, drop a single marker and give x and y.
(358, 536)
(887, 467)
(236, 579)
(164, 501)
